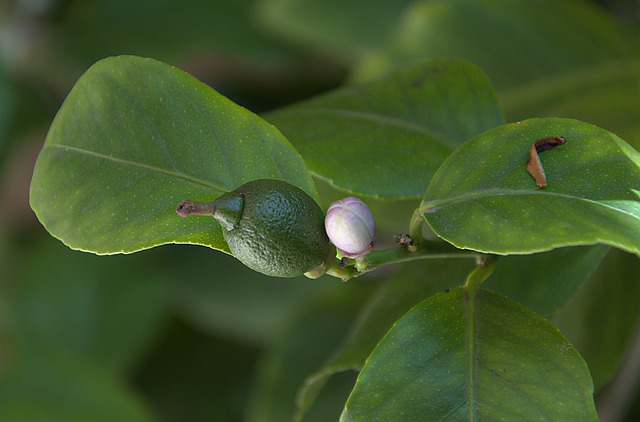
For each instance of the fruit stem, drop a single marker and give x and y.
(188, 207)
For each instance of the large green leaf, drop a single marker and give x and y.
(544, 282)
(132, 139)
(350, 29)
(222, 296)
(605, 95)
(601, 319)
(167, 30)
(482, 198)
(387, 138)
(305, 345)
(466, 356)
(39, 388)
(104, 311)
(513, 41)
(411, 284)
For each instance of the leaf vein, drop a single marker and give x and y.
(433, 205)
(151, 168)
(390, 121)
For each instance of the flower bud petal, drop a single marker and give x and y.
(351, 227)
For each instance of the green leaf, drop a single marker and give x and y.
(387, 138)
(411, 284)
(304, 346)
(592, 194)
(513, 41)
(234, 300)
(183, 31)
(38, 388)
(132, 139)
(105, 312)
(607, 304)
(465, 356)
(350, 29)
(598, 94)
(544, 282)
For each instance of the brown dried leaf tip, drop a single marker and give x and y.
(534, 165)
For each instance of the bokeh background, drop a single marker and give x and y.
(184, 333)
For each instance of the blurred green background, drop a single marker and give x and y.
(184, 333)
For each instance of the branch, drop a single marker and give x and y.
(427, 249)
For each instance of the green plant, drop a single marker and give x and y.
(490, 264)
(490, 348)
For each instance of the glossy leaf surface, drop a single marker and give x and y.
(513, 41)
(613, 290)
(599, 94)
(234, 300)
(310, 338)
(487, 358)
(544, 282)
(387, 138)
(173, 31)
(592, 195)
(135, 137)
(410, 284)
(350, 29)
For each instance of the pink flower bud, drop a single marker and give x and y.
(351, 227)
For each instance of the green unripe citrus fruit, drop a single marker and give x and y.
(272, 227)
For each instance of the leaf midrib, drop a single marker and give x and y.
(372, 116)
(471, 345)
(432, 206)
(134, 164)
(567, 82)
